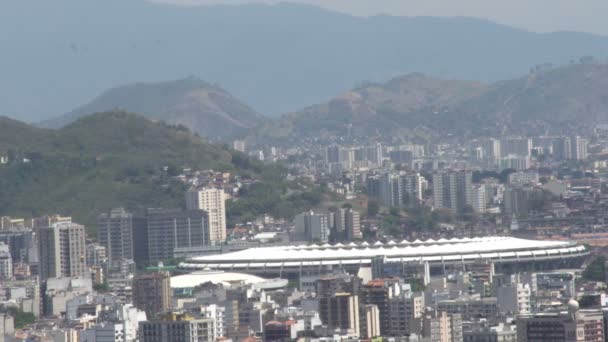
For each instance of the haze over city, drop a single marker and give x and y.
(303, 171)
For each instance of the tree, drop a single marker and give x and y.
(21, 318)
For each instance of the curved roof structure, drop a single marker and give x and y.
(433, 251)
(225, 278)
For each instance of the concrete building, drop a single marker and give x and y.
(514, 299)
(103, 332)
(471, 308)
(379, 292)
(562, 148)
(311, 227)
(491, 148)
(217, 314)
(452, 189)
(96, 255)
(62, 250)
(160, 232)
(478, 200)
(519, 146)
(345, 224)
(177, 328)
(213, 201)
(7, 326)
(499, 333)
(353, 225)
(340, 312)
(6, 263)
(579, 148)
(115, 233)
(370, 327)
(439, 326)
(405, 314)
(574, 325)
(152, 293)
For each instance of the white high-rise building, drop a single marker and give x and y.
(217, 313)
(6, 263)
(62, 250)
(213, 202)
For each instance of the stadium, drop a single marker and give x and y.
(507, 254)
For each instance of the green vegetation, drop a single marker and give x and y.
(275, 196)
(103, 287)
(596, 270)
(21, 318)
(117, 159)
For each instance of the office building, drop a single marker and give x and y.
(575, 325)
(177, 328)
(379, 292)
(162, 232)
(6, 263)
(452, 189)
(62, 250)
(212, 201)
(397, 189)
(405, 314)
(370, 326)
(353, 225)
(391, 190)
(340, 312)
(579, 148)
(217, 314)
(401, 157)
(518, 146)
(562, 148)
(499, 333)
(312, 227)
(440, 326)
(345, 224)
(514, 162)
(96, 255)
(330, 285)
(115, 233)
(491, 149)
(516, 200)
(478, 199)
(152, 293)
(514, 299)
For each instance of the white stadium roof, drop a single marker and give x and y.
(441, 250)
(224, 278)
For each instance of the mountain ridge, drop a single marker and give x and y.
(205, 108)
(546, 98)
(277, 58)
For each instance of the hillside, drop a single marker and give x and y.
(276, 58)
(118, 159)
(394, 107)
(98, 162)
(556, 99)
(204, 108)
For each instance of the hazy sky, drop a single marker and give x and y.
(534, 15)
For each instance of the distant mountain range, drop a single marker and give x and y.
(551, 99)
(204, 108)
(277, 58)
(547, 99)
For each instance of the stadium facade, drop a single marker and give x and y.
(506, 253)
